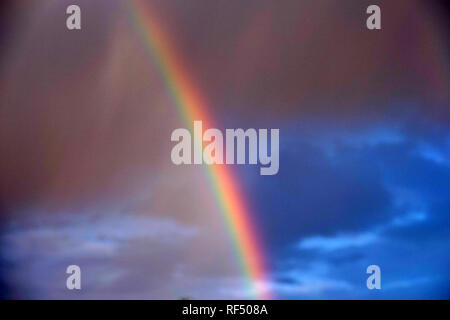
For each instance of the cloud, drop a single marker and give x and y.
(403, 234)
(410, 283)
(338, 242)
(98, 237)
(432, 153)
(409, 219)
(85, 171)
(121, 255)
(314, 280)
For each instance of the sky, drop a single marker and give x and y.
(364, 179)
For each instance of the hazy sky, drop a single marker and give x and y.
(85, 170)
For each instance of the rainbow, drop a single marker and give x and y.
(189, 107)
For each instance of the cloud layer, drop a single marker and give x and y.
(86, 176)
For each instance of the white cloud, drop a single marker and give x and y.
(432, 153)
(410, 218)
(95, 237)
(338, 242)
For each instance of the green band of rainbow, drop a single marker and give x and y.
(189, 107)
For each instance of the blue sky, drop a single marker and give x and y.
(351, 195)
